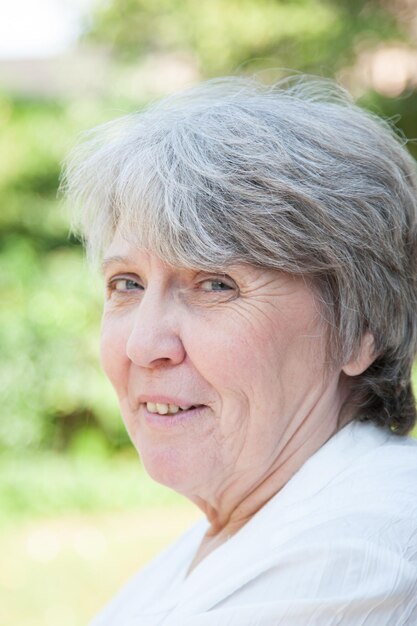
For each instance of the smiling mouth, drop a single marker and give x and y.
(169, 409)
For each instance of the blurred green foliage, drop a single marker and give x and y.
(80, 483)
(49, 373)
(53, 394)
(225, 34)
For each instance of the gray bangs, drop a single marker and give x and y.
(206, 178)
(138, 179)
(169, 209)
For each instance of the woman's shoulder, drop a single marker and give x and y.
(362, 485)
(361, 458)
(384, 460)
(366, 454)
(368, 495)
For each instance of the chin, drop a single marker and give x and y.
(168, 466)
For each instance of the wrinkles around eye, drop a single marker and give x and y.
(209, 289)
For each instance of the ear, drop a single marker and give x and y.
(363, 359)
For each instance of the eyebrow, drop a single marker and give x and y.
(110, 260)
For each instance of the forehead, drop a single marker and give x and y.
(123, 251)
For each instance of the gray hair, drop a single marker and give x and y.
(293, 177)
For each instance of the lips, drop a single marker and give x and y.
(163, 408)
(167, 406)
(169, 420)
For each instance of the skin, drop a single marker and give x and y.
(249, 345)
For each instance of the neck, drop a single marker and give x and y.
(237, 505)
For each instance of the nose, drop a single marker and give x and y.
(154, 339)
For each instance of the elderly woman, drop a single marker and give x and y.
(259, 249)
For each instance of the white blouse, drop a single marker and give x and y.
(337, 545)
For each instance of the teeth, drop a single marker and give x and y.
(162, 409)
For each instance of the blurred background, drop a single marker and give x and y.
(77, 513)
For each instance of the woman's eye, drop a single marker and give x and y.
(216, 284)
(123, 284)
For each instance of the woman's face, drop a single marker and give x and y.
(245, 350)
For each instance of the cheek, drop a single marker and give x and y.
(255, 358)
(113, 352)
(230, 355)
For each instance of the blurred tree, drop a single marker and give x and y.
(224, 35)
(370, 45)
(50, 307)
